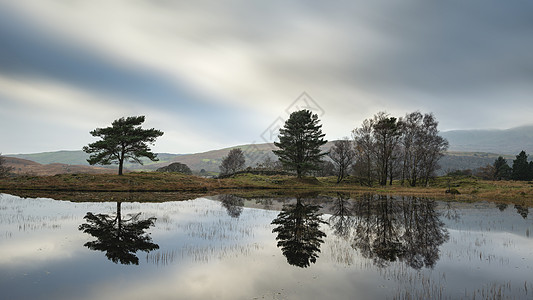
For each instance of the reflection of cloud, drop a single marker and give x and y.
(39, 249)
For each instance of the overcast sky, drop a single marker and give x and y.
(213, 74)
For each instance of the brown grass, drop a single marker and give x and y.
(470, 189)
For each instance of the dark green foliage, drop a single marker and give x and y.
(502, 171)
(176, 167)
(299, 235)
(521, 169)
(124, 140)
(299, 142)
(119, 239)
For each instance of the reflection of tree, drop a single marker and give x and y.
(342, 215)
(299, 234)
(119, 238)
(451, 213)
(233, 204)
(501, 206)
(408, 230)
(424, 232)
(522, 210)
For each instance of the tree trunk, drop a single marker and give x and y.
(120, 166)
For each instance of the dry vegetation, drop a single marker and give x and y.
(470, 189)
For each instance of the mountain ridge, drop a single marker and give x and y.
(469, 149)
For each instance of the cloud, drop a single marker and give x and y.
(228, 70)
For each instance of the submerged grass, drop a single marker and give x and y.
(469, 188)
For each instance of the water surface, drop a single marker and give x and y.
(226, 247)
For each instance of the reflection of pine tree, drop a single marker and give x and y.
(299, 234)
(119, 238)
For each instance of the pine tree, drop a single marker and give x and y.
(299, 142)
(502, 171)
(521, 170)
(124, 140)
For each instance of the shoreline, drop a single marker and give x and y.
(470, 189)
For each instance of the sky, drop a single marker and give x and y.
(215, 74)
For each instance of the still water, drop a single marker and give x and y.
(226, 247)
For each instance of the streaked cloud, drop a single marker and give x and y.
(217, 74)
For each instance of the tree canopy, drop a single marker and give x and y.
(501, 169)
(124, 140)
(120, 239)
(521, 168)
(299, 142)
(176, 167)
(299, 235)
(342, 153)
(408, 148)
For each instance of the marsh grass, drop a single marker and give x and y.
(470, 188)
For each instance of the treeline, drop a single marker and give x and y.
(384, 148)
(406, 148)
(521, 169)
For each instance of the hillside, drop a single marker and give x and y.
(469, 149)
(508, 141)
(210, 160)
(80, 158)
(25, 167)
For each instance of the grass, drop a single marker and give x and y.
(470, 188)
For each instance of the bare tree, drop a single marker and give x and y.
(411, 150)
(364, 152)
(4, 170)
(387, 135)
(233, 162)
(409, 147)
(433, 146)
(342, 153)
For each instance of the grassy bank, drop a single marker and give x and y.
(470, 189)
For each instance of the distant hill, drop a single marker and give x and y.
(508, 141)
(469, 149)
(28, 167)
(80, 158)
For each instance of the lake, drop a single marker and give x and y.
(227, 247)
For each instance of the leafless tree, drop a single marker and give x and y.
(364, 152)
(342, 153)
(4, 170)
(408, 148)
(233, 162)
(433, 146)
(387, 136)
